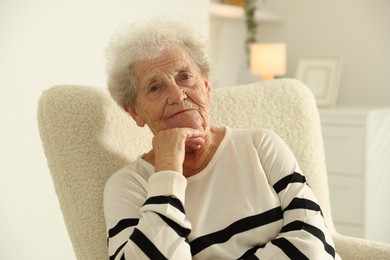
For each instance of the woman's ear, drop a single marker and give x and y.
(136, 117)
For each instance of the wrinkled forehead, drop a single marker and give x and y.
(171, 60)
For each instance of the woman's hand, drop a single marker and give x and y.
(170, 146)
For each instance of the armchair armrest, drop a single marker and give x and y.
(357, 248)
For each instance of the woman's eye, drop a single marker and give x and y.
(186, 77)
(153, 88)
(154, 91)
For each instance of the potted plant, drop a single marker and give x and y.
(251, 26)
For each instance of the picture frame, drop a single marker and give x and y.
(322, 76)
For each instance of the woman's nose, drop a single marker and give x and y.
(176, 95)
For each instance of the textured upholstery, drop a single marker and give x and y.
(87, 137)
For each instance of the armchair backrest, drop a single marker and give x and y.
(87, 137)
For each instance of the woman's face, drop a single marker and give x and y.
(171, 92)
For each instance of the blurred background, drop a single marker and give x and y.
(50, 42)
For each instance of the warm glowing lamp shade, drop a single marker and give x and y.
(268, 59)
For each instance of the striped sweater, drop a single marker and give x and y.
(250, 202)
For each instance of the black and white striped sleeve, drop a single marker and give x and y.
(304, 234)
(147, 219)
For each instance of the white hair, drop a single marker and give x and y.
(144, 41)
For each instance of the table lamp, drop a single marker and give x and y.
(268, 59)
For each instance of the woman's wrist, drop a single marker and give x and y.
(168, 165)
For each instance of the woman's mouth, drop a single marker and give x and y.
(179, 113)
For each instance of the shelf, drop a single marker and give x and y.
(236, 12)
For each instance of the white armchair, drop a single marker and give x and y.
(87, 137)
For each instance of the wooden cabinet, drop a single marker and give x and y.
(357, 149)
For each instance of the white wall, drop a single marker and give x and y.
(357, 30)
(227, 37)
(43, 43)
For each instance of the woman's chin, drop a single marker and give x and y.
(182, 122)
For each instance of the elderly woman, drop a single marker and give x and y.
(202, 192)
